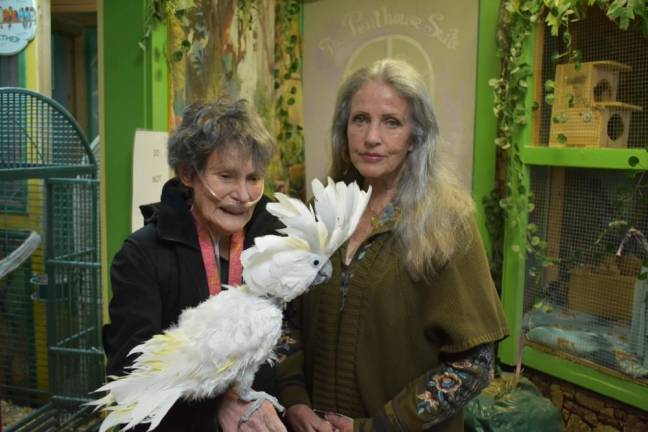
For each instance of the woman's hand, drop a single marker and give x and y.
(301, 418)
(231, 408)
(340, 422)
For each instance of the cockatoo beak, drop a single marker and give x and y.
(324, 274)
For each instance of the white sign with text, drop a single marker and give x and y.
(17, 25)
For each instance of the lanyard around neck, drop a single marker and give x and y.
(211, 257)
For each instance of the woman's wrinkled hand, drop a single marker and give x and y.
(302, 418)
(340, 422)
(232, 408)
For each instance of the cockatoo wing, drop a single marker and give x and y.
(213, 346)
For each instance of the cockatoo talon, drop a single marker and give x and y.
(257, 399)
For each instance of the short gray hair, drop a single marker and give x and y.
(219, 125)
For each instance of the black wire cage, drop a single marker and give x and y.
(50, 301)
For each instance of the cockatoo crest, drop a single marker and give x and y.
(279, 266)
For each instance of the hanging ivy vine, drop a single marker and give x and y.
(516, 21)
(287, 84)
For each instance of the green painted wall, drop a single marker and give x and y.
(134, 92)
(485, 122)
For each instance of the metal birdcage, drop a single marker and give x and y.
(50, 305)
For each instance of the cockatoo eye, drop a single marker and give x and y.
(316, 262)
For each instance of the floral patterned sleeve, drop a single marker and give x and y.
(437, 395)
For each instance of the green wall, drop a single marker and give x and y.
(484, 154)
(134, 92)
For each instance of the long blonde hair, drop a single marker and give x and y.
(436, 211)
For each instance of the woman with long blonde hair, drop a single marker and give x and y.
(402, 336)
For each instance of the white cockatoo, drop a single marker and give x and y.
(222, 342)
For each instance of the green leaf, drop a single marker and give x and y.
(570, 100)
(553, 22)
(500, 141)
(549, 98)
(567, 38)
(562, 139)
(177, 56)
(560, 118)
(549, 85)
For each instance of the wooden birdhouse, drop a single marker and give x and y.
(585, 112)
(602, 124)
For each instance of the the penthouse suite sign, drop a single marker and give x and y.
(431, 26)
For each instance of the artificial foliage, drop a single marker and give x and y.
(288, 94)
(512, 197)
(203, 61)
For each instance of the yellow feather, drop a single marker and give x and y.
(228, 364)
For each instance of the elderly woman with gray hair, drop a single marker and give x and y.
(191, 245)
(402, 336)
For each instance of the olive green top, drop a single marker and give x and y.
(368, 354)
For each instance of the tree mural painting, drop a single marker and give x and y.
(243, 49)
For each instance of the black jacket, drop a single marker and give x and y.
(156, 274)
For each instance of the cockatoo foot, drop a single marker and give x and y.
(257, 398)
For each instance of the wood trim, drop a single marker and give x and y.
(555, 220)
(538, 87)
(74, 6)
(44, 38)
(80, 88)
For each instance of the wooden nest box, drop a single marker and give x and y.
(585, 112)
